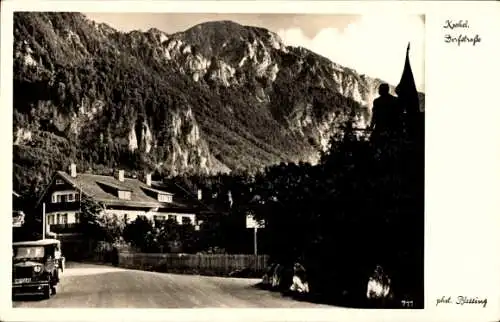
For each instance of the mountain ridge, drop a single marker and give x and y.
(216, 97)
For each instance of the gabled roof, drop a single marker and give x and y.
(173, 188)
(114, 186)
(158, 191)
(187, 195)
(91, 185)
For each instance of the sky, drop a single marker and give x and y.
(374, 45)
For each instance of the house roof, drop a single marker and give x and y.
(114, 186)
(174, 188)
(179, 190)
(158, 191)
(91, 185)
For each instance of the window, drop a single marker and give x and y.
(77, 217)
(66, 196)
(29, 252)
(124, 194)
(58, 221)
(59, 182)
(171, 217)
(50, 219)
(164, 197)
(64, 219)
(186, 220)
(125, 217)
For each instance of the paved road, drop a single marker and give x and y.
(90, 286)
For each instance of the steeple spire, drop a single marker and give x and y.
(406, 89)
(408, 95)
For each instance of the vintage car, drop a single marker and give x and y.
(36, 267)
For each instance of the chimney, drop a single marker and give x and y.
(148, 179)
(199, 194)
(121, 175)
(72, 170)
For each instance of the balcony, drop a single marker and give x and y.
(65, 228)
(62, 206)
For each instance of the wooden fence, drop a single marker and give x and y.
(206, 264)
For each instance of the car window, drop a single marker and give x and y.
(29, 252)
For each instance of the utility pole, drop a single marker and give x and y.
(44, 226)
(255, 240)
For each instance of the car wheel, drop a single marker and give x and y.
(53, 289)
(46, 293)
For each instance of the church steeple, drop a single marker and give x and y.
(406, 89)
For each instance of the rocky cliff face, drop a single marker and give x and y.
(215, 97)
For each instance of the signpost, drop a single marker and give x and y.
(252, 223)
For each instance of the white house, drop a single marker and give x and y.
(127, 198)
